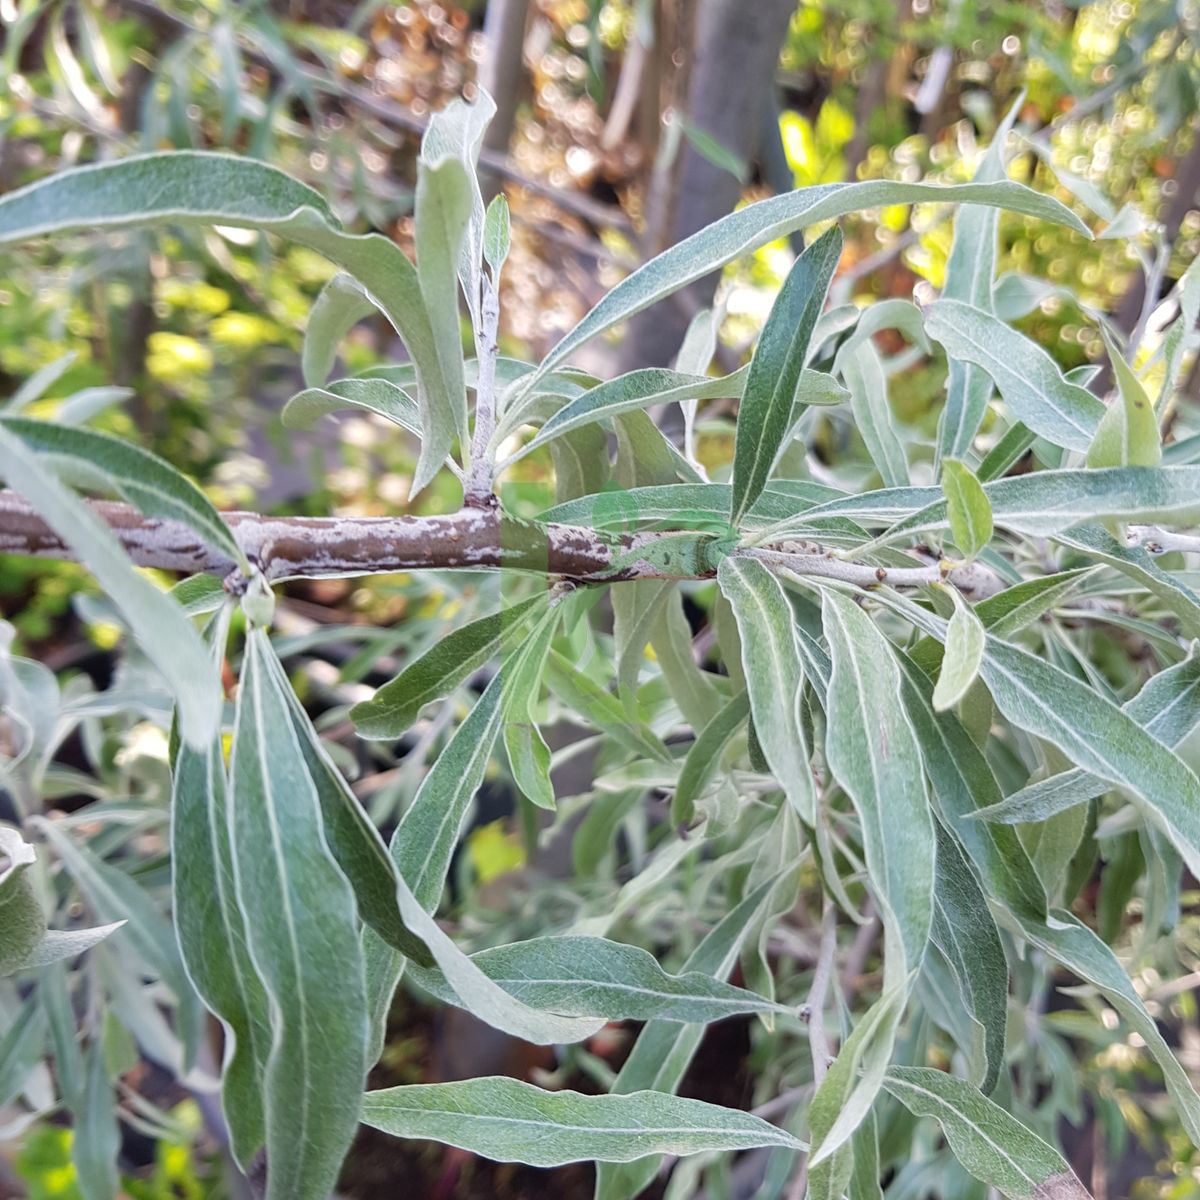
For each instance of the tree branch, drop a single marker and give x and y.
(312, 547)
(472, 539)
(1155, 540)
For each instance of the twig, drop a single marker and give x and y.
(814, 1012)
(781, 1104)
(478, 488)
(814, 1008)
(972, 579)
(1098, 100)
(1156, 541)
(1153, 278)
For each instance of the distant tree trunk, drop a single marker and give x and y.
(1129, 311)
(735, 55)
(1187, 180)
(501, 73)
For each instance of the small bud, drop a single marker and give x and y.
(258, 603)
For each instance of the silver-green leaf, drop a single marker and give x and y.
(511, 1121)
(757, 224)
(765, 413)
(1030, 381)
(586, 976)
(988, 1141)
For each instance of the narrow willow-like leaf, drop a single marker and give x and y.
(586, 697)
(212, 938)
(40, 382)
(342, 303)
(970, 271)
(21, 1047)
(115, 896)
(704, 757)
(581, 464)
(60, 944)
(967, 508)
(866, 1178)
(963, 654)
(1139, 565)
(635, 608)
(192, 188)
(990, 1143)
(55, 994)
(903, 315)
(781, 856)
(863, 372)
(1006, 452)
(376, 396)
(965, 931)
(497, 234)
(424, 841)
(645, 455)
(626, 393)
(1093, 732)
(1015, 608)
(97, 1138)
(1090, 729)
(81, 406)
(847, 1092)
(664, 1049)
(511, 1121)
(396, 705)
(528, 753)
(687, 503)
(1168, 706)
(1041, 504)
(422, 846)
(457, 131)
(486, 999)
(163, 632)
(352, 839)
(88, 459)
(757, 224)
(774, 675)
(817, 389)
(300, 918)
(692, 689)
(963, 782)
(1175, 343)
(1127, 435)
(1030, 381)
(585, 976)
(872, 751)
(443, 209)
(765, 412)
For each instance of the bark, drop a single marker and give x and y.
(884, 78)
(736, 52)
(1187, 179)
(474, 539)
(1129, 310)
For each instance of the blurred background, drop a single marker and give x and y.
(622, 127)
